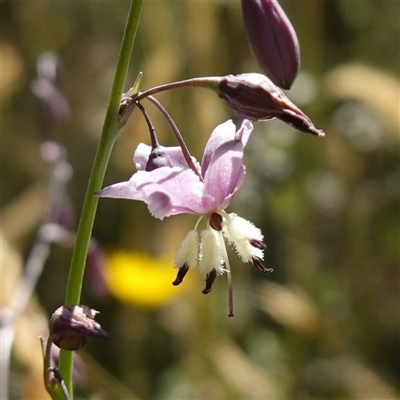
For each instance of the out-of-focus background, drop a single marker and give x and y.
(325, 324)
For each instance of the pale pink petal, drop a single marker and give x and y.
(221, 134)
(170, 191)
(123, 190)
(141, 156)
(243, 134)
(225, 173)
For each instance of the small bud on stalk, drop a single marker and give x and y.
(272, 40)
(253, 96)
(71, 327)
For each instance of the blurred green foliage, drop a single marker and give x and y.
(325, 325)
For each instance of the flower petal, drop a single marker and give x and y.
(221, 134)
(170, 191)
(141, 156)
(225, 173)
(122, 190)
(243, 134)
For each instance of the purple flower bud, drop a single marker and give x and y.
(272, 40)
(157, 159)
(71, 327)
(254, 97)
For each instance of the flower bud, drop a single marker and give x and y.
(157, 159)
(272, 40)
(71, 327)
(253, 96)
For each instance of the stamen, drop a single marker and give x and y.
(198, 222)
(228, 273)
(257, 263)
(210, 279)
(181, 274)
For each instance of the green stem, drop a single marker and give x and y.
(107, 139)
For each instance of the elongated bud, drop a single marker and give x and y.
(272, 40)
(255, 97)
(71, 327)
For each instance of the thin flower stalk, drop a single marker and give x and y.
(107, 139)
(251, 96)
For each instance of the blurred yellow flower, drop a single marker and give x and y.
(136, 278)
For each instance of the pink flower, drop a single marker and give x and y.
(175, 188)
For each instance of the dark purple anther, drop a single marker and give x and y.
(272, 40)
(257, 263)
(258, 244)
(210, 279)
(181, 274)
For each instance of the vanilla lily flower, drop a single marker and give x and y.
(175, 188)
